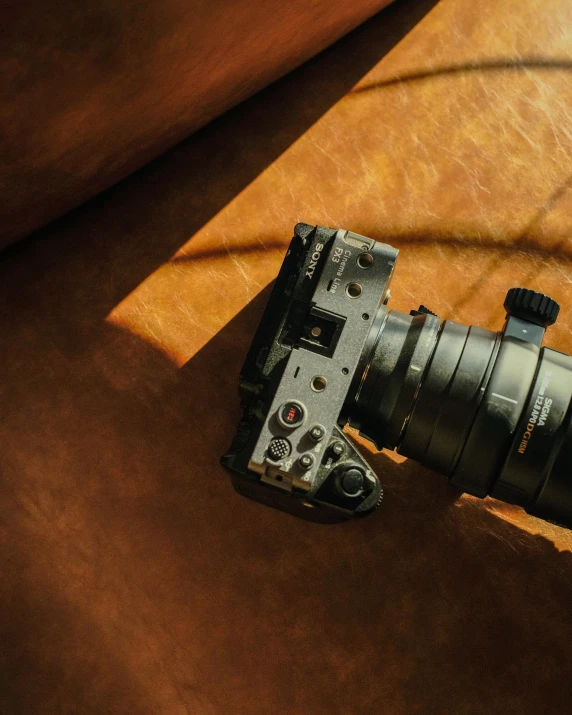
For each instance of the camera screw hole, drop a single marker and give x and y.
(318, 383)
(365, 260)
(353, 290)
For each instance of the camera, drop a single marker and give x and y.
(489, 410)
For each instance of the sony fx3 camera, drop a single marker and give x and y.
(490, 410)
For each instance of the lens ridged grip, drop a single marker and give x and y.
(534, 307)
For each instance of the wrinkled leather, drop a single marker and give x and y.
(134, 579)
(92, 91)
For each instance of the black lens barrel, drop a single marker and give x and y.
(491, 411)
(503, 400)
(554, 495)
(392, 379)
(537, 471)
(450, 396)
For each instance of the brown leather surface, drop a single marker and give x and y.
(134, 579)
(93, 90)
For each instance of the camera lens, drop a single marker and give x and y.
(491, 411)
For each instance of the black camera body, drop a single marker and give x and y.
(492, 411)
(289, 451)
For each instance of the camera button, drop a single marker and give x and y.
(337, 449)
(291, 415)
(352, 482)
(317, 433)
(306, 461)
(279, 448)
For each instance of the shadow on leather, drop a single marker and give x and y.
(135, 580)
(495, 65)
(137, 573)
(435, 598)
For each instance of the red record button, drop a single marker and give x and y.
(291, 415)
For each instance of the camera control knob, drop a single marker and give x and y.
(352, 482)
(422, 310)
(279, 448)
(534, 307)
